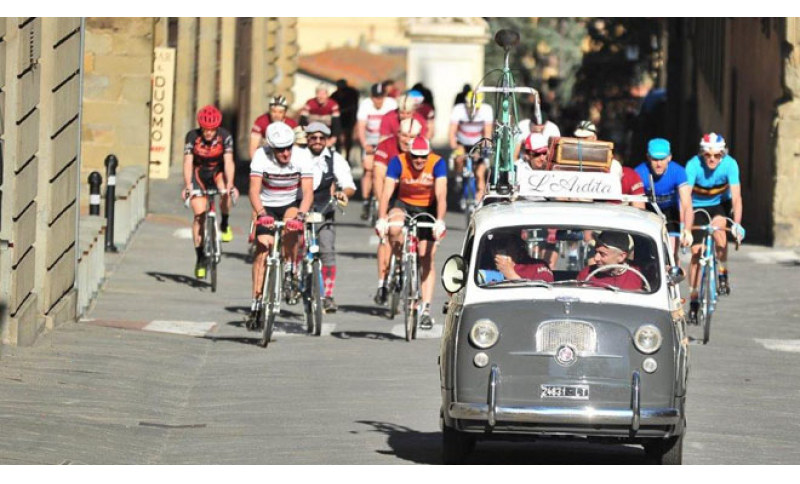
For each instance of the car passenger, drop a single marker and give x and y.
(510, 261)
(613, 248)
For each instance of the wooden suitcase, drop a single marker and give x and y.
(573, 154)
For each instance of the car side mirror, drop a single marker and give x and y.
(454, 274)
(676, 275)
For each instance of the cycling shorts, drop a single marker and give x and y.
(423, 234)
(278, 213)
(723, 209)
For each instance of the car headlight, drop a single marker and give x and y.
(647, 339)
(484, 334)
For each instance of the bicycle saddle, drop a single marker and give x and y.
(507, 38)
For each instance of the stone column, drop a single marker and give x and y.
(287, 60)
(207, 61)
(786, 214)
(184, 114)
(445, 53)
(59, 137)
(20, 78)
(227, 69)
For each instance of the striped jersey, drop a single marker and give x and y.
(280, 184)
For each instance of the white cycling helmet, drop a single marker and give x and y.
(279, 135)
(712, 142)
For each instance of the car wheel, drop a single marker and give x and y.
(456, 446)
(666, 452)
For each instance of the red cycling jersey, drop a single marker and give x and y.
(260, 126)
(390, 124)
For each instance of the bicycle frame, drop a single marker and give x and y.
(214, 251)
(273, 262)
(503, 175)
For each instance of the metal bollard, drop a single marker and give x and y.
(111, 183)
(95, 180)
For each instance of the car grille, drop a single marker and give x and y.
(553, 334)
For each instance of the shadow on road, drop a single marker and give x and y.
(180, 279)
(368, 310)
(426, 448)
(408, 444)
(238, 256)
(374, 335)
(357, 255)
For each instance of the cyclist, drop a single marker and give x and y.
(528, 126)
(277, 112)
(330, 169)
(208, 162)
(424, 108)
(714, 178)
(406, 108)
(671, 191)
(534, 156)
(388, 149)
(281, 187)
(370, 114)
(420, 177)
(323, 109)
(469, 124)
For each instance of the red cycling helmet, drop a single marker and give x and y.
(209, 117)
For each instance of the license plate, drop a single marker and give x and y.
(576, 392)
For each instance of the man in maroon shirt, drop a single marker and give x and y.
(276, 113)
(325, 110)
(406, 108)
(613, 248)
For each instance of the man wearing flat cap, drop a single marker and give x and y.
(613, 248)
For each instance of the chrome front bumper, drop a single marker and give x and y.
(565, 415)
(633, 416)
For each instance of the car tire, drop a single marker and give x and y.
(666, 452)
(456, 446)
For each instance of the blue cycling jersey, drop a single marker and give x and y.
(709, 187)
(666, 185)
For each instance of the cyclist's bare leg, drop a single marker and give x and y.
(384, 257)
(366, 179)
(480, 181)
(427, 251)
(694, 267)
(458, 165)
(378, 178)
(225, 200)
(198, 224)
(291, 239)
(721, 239)
(396, 215)
(263, 247)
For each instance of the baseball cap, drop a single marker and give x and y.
(378, 90)
(536, 142)
(317, 127)
(585, 129)
(615, 240)
(420, 146)
(658, 148)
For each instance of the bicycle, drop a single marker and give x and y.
(709, 275)
(502, 177)
(311, 283)
(407, 283)
(269, 305)
(212, 237)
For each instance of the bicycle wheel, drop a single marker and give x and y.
(270, 308)
(410, 300)
(306, 292)
(316, 296)
(210, 251)
(395, 287)
(705, 311)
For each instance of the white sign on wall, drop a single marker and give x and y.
(161, 111)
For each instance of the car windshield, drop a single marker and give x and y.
(568, 256)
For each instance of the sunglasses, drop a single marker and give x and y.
(537, 153)
(717, 156)
(316, 138)
(418, 157)
(281, 150)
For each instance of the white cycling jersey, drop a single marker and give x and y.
(470, 130)
(280, 184)
(372, 116)
(550, 130)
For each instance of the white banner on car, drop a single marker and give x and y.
(573, 185)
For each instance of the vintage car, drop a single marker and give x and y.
(545, 338)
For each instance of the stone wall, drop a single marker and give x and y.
(118, 64)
